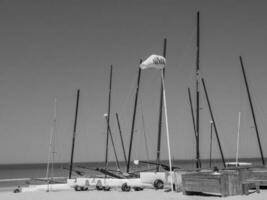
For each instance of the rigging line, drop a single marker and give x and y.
(144, 128)
(258, 108)
(126, 109)
(54, 144)
(154, 91)
(113, 144)
(184, 53)
(191, 81)
(130, 94)
(256, 101)
(153, 96)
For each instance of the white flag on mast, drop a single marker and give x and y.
(153, 61)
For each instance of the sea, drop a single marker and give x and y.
(13, 175)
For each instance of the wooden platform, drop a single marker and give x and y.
(227, 182)
(224, 183)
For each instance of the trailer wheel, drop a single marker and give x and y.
(125, 187)
(138, 188)
(99, 185)
(17, 190)
(77, 188)
(106, 188)
(84, 188)
(158, 184)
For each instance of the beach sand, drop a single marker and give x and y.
(118, 195)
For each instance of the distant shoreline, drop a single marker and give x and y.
(113, 162)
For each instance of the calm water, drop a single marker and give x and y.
(34, 171)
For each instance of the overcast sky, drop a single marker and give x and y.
(49, 49)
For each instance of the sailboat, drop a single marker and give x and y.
(112, 178)
(51, 154)
(138, 183)
(52, 184)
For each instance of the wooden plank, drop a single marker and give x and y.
(225, 183)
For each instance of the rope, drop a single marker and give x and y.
(144, 129)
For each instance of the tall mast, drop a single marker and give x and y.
(160, 111)
(252, 110)
(52, 147)
(108, 117)
(74, 132)
(213, 121)
(198, 163)
(122, 142)
(133, 121)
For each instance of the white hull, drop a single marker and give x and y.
(50, 187)
(241, 164)
(110, 182)
(146, 180)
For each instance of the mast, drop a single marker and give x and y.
(122, 142)
(51, 148)
(252, 111)
(213, 121)
(211, 125)
(108, 117)
(112, 141)
(74, 132)
(133, 121)
(198, 162)
(160, 111)
(192, 111)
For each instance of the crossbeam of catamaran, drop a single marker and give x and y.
(101, 170)
(165, 167)
(112, 173)
(78, 172)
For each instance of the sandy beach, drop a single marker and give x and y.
(118, 195)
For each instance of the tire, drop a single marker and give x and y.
(84, 188)
(158, 184)
(106, 188)
(125, 187)
(99, 185)
(77, 188)
(16, 190)
(138, 188)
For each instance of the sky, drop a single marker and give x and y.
(49, 49)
